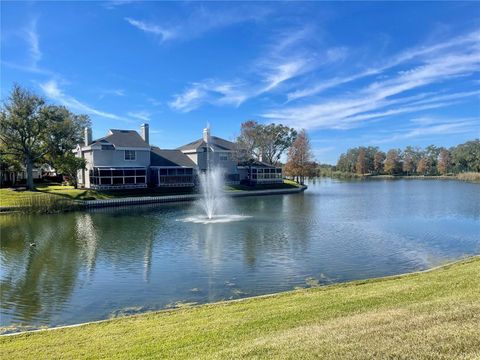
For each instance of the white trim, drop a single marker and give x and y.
(130, 152)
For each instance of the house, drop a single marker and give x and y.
(255, 172)
(124, 159)
(11, 175)
(171, 168)
(211, 151)
(118, 160)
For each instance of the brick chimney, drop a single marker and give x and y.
(144, 132)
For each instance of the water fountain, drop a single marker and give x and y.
(214, 203)
(213, 199)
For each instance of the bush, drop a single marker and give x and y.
(469, 176)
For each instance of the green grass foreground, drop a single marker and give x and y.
(427, 315)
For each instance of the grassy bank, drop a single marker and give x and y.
(428, 315)
(287, 184)
(468, 176)
(52, 198)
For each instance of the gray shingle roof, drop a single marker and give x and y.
(258, 164)
(159, 157)
(123, 138)
(218, 143)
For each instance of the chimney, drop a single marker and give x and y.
(145, 133)
(88, 136)
(206, 135)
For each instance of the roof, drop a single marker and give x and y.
(217, 144)
(123, 138)
(256, 163)
(159, 157)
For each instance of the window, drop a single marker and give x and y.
(108, 147)
(223, 156)
(130, 155)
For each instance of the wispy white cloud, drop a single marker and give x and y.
(31, 36)
(112, 4)
(237, 91)
(199, 20)
(283, 61)
(428, 127)
(420, 52)
(141, 115)
(154, 101)
(53, 91)
(165, 34)
(210, 92)
(110, 92)
(387, 97)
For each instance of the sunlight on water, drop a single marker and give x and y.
(217, 219)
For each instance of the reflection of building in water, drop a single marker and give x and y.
(87, 236)
(147, 257)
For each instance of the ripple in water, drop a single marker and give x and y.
(217, 219)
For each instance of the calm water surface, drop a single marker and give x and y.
(109, 262)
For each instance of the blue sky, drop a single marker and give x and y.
(351, 73)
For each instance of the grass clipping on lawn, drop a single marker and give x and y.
(428, 315)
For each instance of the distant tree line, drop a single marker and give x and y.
(431, 160)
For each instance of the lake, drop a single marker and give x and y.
(111, 262)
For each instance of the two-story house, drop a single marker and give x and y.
(118, 160)
(125, 159)
(211, 151)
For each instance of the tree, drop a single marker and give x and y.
(444, 162)
(466, 156)
(66, 131)
(378, 160)
(275, 139)
(264, 142)
(34, 133)
(348, 160)
(392, 162)
(69, 165)
(300, 159)
(431, 153)
(422, 166)
(410, 159)
(23, 129)
(360, 166)
(248, 141)
(408, 165)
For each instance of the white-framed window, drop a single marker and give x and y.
(130, 155)
(223, 156)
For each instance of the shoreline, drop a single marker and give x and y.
(82, 205)
(355, 176)
(187, 197)
(352, 283)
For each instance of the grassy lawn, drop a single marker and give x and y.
(10, 197)
(430, 315)
(287, 184)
